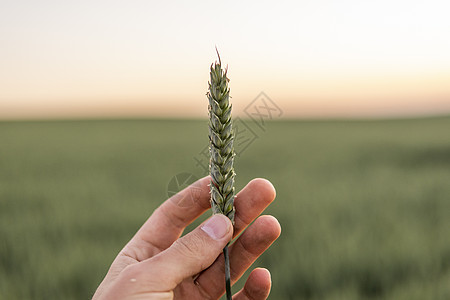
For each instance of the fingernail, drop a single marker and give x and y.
(217, 226)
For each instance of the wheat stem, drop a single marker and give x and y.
(221, 151)
(227, 272)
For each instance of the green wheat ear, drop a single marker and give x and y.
(221, 152)
(221, 138)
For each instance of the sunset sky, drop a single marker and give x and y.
(326, 58)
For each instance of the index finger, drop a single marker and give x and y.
(168, 221)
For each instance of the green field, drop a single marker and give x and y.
(364, 205)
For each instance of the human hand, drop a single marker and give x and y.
(158, 264)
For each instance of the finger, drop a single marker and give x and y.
(257, 286)
(188, 256)
(168, 221)
(243, 252)
(251, 201)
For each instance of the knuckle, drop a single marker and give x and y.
(190, 248)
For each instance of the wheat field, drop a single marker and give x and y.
(364, 205)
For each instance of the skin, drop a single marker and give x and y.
(158, 264)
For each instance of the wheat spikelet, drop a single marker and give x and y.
(221, 152)
(221, 138)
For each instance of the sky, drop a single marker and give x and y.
(321, 58)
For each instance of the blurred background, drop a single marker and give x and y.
(344, 106)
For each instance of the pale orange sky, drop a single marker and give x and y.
(143, 58)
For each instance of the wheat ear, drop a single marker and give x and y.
(221, 152)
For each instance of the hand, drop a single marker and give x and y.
(158, 264)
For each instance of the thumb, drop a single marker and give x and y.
(187, 256)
